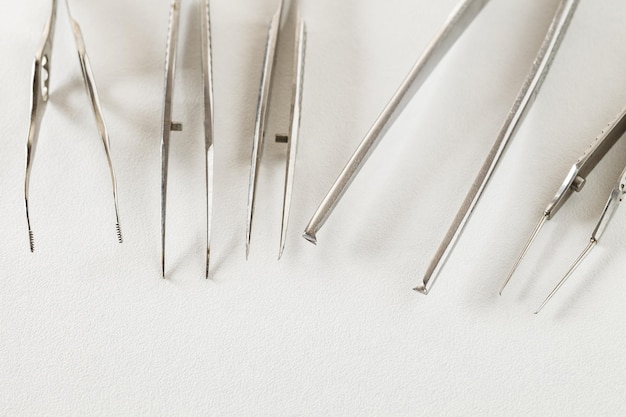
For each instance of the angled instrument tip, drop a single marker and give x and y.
(310, 237)
(524, 251)
(421, 289)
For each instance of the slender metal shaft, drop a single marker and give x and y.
(294, 135)
(581, 257)
(207, 78)
(523, 102)
(521, 256)
(261, 117)
(168, 126)
(460, 19)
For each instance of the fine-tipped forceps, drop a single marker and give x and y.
(574, 182)
(39, 101)
(460, 19)
(262, 115)
(169, 126)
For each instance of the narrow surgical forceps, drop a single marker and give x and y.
(262, 115)
(169, 126)
(459, 20)
(574, 182)
(39, 101)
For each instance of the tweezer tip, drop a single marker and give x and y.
(310, 237)
(118, 229)
(421, 289)
(31, 238)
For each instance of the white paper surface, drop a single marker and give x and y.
(87, 327)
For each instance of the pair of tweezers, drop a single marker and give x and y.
(574, 182)
(39, 101)
(457, 23)
(262, 115)
(169, 126)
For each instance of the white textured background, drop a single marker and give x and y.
(87, 327)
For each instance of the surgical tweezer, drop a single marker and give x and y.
(39, 101)
(459, 20)
(262, 114)
(574, 182)
(169, 126)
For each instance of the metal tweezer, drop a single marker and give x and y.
(39, 101)
(459, 20)
(169, 126)
(574, 182)
(262, 115)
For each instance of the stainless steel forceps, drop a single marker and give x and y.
(39, 101)
(262, 114)
(169, 126)
(574, 182)
(460, 19)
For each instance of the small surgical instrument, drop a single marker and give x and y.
(39, 101)
(169, 126)
(574, 182)
(460, 19)
(262, 115)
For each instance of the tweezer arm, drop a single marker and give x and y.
(577, 176)
(167, 124)
(524, 100)
(616, 197)
(207, 81)
(462, 16)
(39, 100)
(261, 115)
(94, 100)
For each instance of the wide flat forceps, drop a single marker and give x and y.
(462, 16)
(169, 126)
(39, 101)
(263, 112)
(574, 182)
